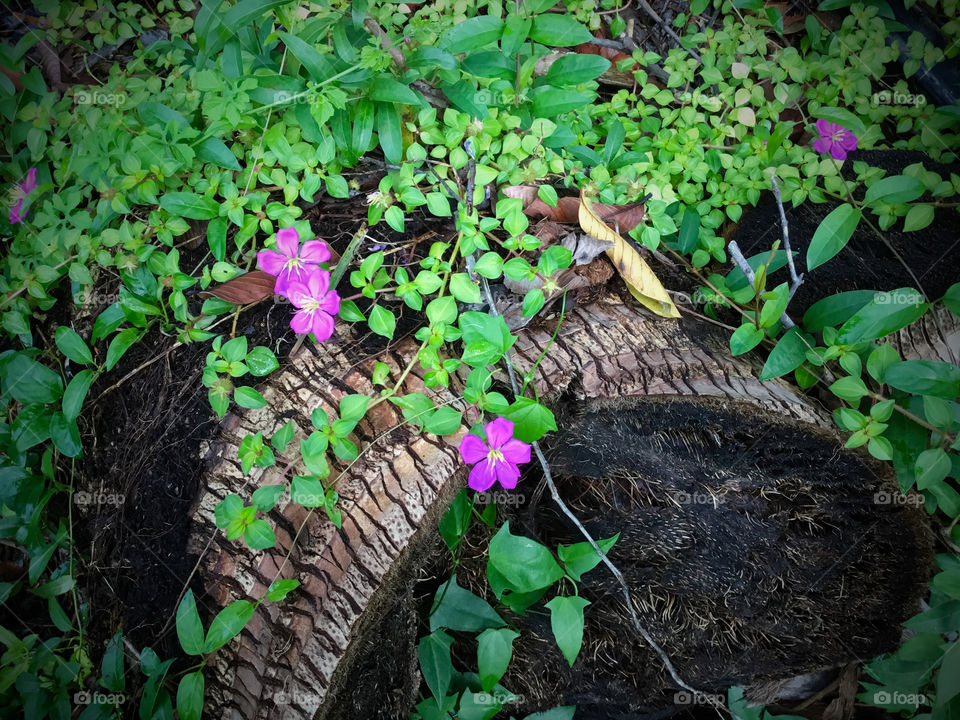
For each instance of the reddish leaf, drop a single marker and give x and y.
(624, 217)
(252, 287)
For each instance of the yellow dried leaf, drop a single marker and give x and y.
(640, 279)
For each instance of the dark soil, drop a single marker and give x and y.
(866, 263)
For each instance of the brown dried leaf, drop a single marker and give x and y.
(640, 279)
(252, 287)
(625, 217)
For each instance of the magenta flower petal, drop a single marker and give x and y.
(299, 294)
(820, 146)
(824, 127)
(288, 242)
(322, 325)
(302, 322)
(838, 153)
(473, 449)
(330, 303)
(270, 261)
(318, 281)
(481, 476)
(498, 432)
(507, 474)
(315, 251)
(30, 183)
(16, 214)
(515, 451)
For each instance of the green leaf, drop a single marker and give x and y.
(65, 435)
(886, 313)
(464, 289)
(932, 467)
(918, 217)
(745, 338)
(217, 238)
(190, 205)
(354, 407)
(836, 309)
(490, 264)
(531, 420)
(580, 558)
(259, 535)
(76, 393)
(951, 299)
(689, 231)
(433, 651)
(111, 668)
(382, 322)
(261, 361)
(515, 33)
(213, 150)
(573, 69)
(27, 381)
(775, 302)
(524, 563)
(550, 101)
(533, 302)
(548, 195)
(787, 355)
(386, 89)
(471, 34)
(893, 190)
(265, 498)
(307, 491)
(189, 627)
(559, 713)
(279, 589)
(456, 608)
(559, 31)
(318, 66)
(394, 218)
(833, 234)
(925, 377)
(444, 421)
(247, 397)
(72, 345)
(494, 650)
(227, 624)
(566, 621)
(389, 131)
(849, 388)
(190, 696)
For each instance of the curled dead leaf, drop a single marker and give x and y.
(624, 217)
(641, 281)
(585, 248)
(251, 287)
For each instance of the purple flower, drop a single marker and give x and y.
(834, 139)
(496, 462)
(291, 262)
(19, 193)
(316, 303)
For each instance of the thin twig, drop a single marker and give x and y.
(667, 29)
(555, 494)
(742, 263)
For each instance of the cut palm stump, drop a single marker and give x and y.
(752, 543)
